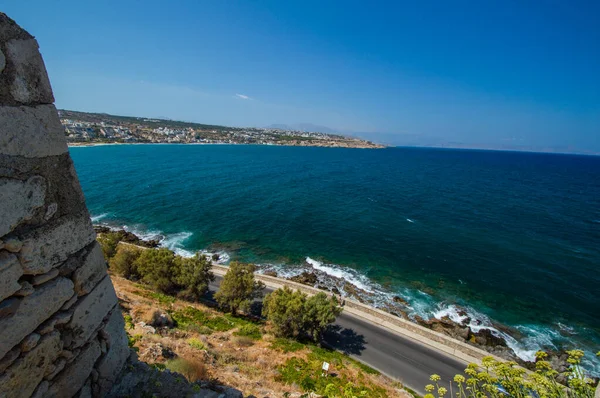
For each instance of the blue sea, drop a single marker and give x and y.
(512, 237)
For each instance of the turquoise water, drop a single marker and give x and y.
(514, 237)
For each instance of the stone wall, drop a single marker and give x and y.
(61, 330)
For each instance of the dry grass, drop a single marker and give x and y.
(246, 363)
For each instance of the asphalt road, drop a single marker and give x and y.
(402, 358)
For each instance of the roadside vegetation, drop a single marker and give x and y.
(496, 379)
(172, 326)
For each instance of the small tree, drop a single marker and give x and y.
(293, 313)
(193, 276)
(320, 311)
(123, 262)
(157, 268)
(239, 287)
(284, 308)
(109, 241)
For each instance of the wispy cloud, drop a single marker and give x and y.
(242, 96)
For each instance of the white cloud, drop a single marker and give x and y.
(242, 96)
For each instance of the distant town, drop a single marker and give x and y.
(82, 128)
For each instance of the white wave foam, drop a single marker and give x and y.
(175, 242)
(333, 270)
(410, 221)
(99, 217)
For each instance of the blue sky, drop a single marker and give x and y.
(476, 72)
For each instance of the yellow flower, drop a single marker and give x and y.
(442, 391)
(429, 388)
(435, 378)
(459, 379)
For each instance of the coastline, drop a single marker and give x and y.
(333, 144)
(445, 333)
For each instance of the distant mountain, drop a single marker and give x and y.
(303, 127)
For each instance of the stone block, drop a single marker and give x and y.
(25, 374)
(48, 246)
(41, 390)
(89, 313)
(33, 310)
(19, 199)
(9, 307)
(10, 272)
(25, 290)
(31, 131)
(30, 342)
(27, 77)
(13, 245)
(55, 369)
(73, 378)
(43, 278)
(69, 303)
(9, 358)
(111, 364)
(91, 272)
(86, 390)
(2, 61)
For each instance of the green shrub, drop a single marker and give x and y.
(294, 314)
(123, 262)
(287, 345)
(197, 344)
(191, 369)
(238, 287)
(251, 331)
(193, 276)
(108, 242)
(157, 268)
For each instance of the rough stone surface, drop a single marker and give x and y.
(41, 390)
(86, 390)
(24, 375)
(2, 61)
(69, 381)
(89, 313)
(10, 272)
(31, 132)
(118, 350)
(34, 309)
(50, 245)
(91, 272)
(9, 307)
(47, 246)
(25, 290)
(30, 342)
(19, 199)
(69, 303)
(43, 278)
(9, 358)
(56, 368)
(30, 83)
(13, 245)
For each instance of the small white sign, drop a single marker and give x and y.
(325, 366)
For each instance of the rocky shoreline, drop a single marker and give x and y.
(483, 338)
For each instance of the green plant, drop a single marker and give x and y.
(128, 322)
(108, 242)
(192, 369)
(287, 345)
(123, 262)
(156, 268)
(197, 344)
(251, 331)
(239, 287)
(294, 314)
(193, 276)
(496, 379)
